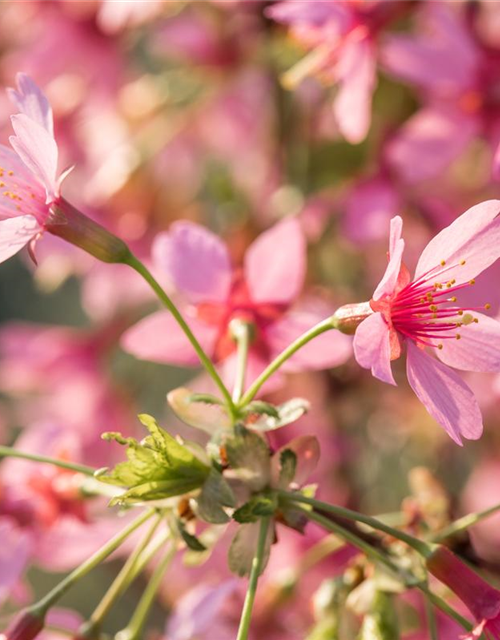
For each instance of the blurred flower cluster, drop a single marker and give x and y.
(253, 161)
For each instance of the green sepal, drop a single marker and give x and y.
(249, 458)
(256, 508)
(215, 494)
(283, 414)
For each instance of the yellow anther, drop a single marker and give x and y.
(440, 346)
(476, 320)
(458, 336)
(487, 305)
(10, 173)
(460, 313)
(472, 281)
(433, 307)
(453, 299)
(462, 262)
(443, 262)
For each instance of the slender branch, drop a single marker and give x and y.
(408, 580)
(9, 452)
(246, 614)
(241, 332)
(118, 586)
(430, 615)
(464, 523)
(43, 605)
(133, 630)
(322, 327)
(165, 299)
(420, 546)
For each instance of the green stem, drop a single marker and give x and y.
(351, 538)
(464, 523)
(9, 452)
(246, 614)
(430, 614)
(147, 555)
(118, 586)
(322, 327)
(423, 548)
(164, 298)
(443, 606)
(406, 579)
(133, 631)
(241, 332)
(43, 605)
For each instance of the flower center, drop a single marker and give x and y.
(427, 310)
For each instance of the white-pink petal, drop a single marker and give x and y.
(356, 73)
(478, 348)
(38, 150)
(396, 248)
(31, 101)
(275, 263)
(429, 142)
(159, 338)
(474, 237)
(196, 260)
(444, 394)
(15, 233)
(372, 348)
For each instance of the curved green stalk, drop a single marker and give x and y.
(118, 586)
(322, 327)
(142, 270)
(9, 452)
(423, 548)
(464, 523)
(43, 605)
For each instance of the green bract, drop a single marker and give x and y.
(158, 467)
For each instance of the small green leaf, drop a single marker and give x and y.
(288, 467)
(287, 413)
(192, 542)
(262, 408)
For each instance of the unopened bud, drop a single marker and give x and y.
(482, 599)
(25, 626)
(71, 225)
(348, 318)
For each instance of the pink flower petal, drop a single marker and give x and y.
(38, 150)
(372, 348)
(160, 339)
(478, 348)
(369, 207)
(15, 551)
(31, 101)
(473, 237)
(444, 394)
(275, 263)
(15, 233)
(196, 260)
(429, 142)
(396, 248)
(356, 72)
(328, 350)
(442, 60)
(315, 13)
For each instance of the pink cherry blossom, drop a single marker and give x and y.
(212, 293)
(458, 80)
(28, 175)
(342, 36)
(424, 312)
